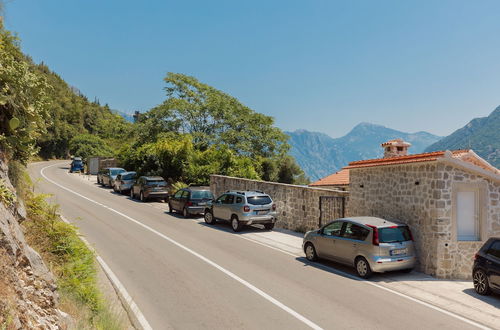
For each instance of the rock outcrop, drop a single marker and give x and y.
(28, 296)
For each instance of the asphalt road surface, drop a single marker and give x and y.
(184, 274)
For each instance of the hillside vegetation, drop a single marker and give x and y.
(480, 134)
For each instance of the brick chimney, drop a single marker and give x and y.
(395, 148)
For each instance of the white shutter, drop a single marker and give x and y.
(467, 217)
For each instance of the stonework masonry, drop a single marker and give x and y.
(422, 196)
(297, 206)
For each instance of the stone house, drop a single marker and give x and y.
(450, 200)
(338, 180)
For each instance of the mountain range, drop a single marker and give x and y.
(320, 155)
(480, 134)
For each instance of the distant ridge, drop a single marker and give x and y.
(480, 134)
(320, 155)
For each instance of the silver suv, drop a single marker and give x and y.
(369, 244)
(242, 208)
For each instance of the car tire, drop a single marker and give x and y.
(481, 283)
(310, 252)
(209, 218)
(141, 197)
(132, 194)
(236, 224)
(363, 267)
(269, 226)
(185, 213)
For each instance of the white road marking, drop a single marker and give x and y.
(196, 254)
(125, 296)
(339, 272)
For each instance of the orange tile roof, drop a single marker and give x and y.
(336, 179)
(425, 157)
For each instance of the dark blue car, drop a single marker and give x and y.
(76, 165)
(486, 269)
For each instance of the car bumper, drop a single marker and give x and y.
(258, 220)
(386, 264)
(196, 209)
(126, 187)
(158, 194)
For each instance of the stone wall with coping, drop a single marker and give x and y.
(297, 206)
(421, 195)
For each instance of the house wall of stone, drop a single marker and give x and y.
(457, 257)
(391, 192)
(403, 193)
(297, 206)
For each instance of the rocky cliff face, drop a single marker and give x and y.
(28, 297)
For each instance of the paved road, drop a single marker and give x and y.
(184, 274)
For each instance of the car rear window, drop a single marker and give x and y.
(129, 176)
(77, 162)
(117, 171)
(156, 183)
(259, 200)
(394, 234)
(201, 194)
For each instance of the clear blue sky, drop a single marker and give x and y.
(319, 65)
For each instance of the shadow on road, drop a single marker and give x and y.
(226, 227)
(493, 299)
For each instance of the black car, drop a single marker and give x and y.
(191, 200)
(149, 187)
(486, 269)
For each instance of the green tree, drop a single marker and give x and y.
(212, 117)
(87, 145)
(23, 100)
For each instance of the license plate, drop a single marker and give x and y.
(262, 212)
(399, 252)
(201, 204)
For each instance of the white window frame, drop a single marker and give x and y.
(479, 191)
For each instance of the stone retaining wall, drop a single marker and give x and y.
(297, 206)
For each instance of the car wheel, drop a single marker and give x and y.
(363, 268)
(132, 193)
(209, 217)
(141, 197)
(310, 251)
(269, 226)
(481, 284)
(185, 213)
(236, 224)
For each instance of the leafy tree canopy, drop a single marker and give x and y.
(87, 145)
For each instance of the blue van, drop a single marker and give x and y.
(76, 165)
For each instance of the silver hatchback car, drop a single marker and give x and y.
(369, 244)
(242, 208)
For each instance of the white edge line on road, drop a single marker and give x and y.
(208, 261)
(125, 297)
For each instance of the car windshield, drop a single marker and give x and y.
(259, 200)
(116, 171)
(394, 234)
(156, 183)
(128, 176)
(201, 194)
(77, 162)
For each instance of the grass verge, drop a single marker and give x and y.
(67, 256)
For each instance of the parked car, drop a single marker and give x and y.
(486, 269)
(191, 200)
(76, 165)
(149, 187)
(124, 182)
(242, 208)
(369, 244)
(107, 176)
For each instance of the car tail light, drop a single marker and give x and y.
(375, 240)
(246, 208)
(274, 207)
(189, 203)
(411, 234)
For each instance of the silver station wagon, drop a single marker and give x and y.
(369, 244)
